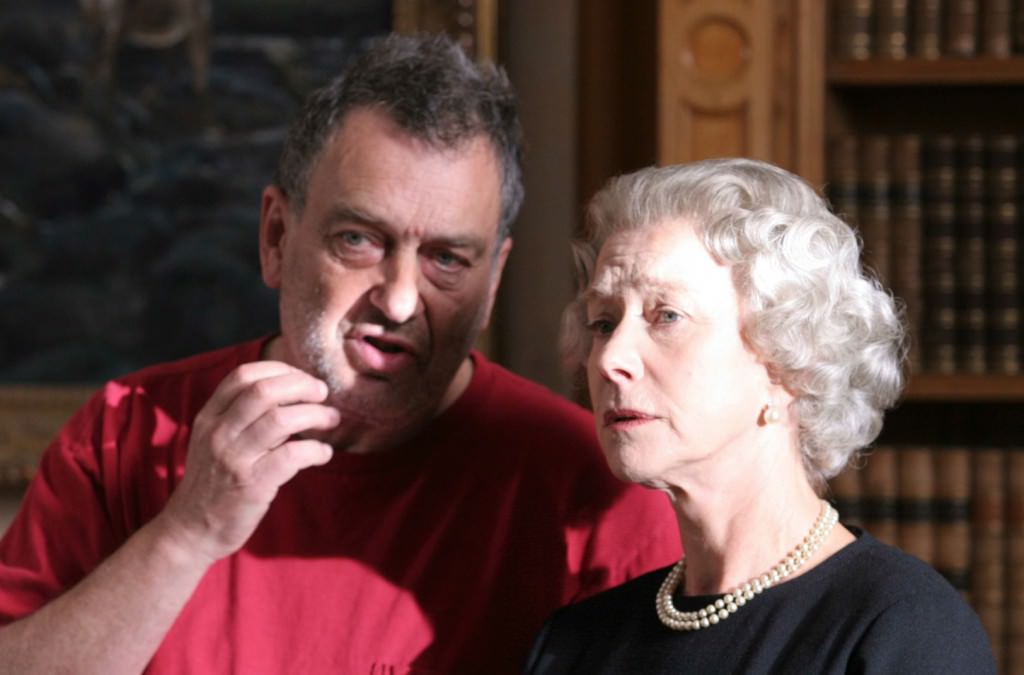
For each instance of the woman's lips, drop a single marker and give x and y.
(624, 418)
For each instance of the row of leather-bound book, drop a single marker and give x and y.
(927, 29)
(940, 217)
(958, 508)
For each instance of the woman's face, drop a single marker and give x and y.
(674, 387)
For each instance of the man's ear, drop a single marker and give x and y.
(499, 267)
(274, 219)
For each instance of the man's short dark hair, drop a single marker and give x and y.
(433, 90)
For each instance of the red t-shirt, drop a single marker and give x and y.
(442, 556)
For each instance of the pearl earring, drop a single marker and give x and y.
(771, 414)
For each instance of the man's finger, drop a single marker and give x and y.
(280, 423)
(281, 464)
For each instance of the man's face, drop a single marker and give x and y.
(389, 273)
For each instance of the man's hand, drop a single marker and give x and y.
(244, 446)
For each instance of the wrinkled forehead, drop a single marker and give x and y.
(644, 275)
(650, 259)
(619, 276)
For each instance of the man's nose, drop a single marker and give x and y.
(398, 294)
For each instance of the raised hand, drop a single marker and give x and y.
(245, 444)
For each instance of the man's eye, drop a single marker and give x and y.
(351, 238)
(446, 259)
(355, 247)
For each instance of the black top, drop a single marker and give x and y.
(870, 608)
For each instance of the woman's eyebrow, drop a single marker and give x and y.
(645, 283)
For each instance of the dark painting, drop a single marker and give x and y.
(135, 139)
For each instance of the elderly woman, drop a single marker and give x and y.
(737, 356)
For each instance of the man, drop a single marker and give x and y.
(362, 493)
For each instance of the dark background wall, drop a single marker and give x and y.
(129, 211)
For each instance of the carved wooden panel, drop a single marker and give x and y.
(741, 77)
(473, 22)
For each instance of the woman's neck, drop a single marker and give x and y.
(737, 525)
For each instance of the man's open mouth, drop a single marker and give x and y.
(384, 345)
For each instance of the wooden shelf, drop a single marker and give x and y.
(925, 72)
(955, 388)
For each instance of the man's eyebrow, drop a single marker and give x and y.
(342, 212)
(475, 244)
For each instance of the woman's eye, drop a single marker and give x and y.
(669, 316)
(600, 327)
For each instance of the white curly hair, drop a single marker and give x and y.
(823, 325)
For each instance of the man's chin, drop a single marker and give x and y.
(377, 400)
(362, 383)
(368, 425)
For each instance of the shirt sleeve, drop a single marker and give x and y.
(638, 534)
(62, 528)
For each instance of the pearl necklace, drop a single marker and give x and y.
(727, 605)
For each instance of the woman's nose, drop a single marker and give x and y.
(618, 356)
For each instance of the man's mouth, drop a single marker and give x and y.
(385, 346)
(379, 354)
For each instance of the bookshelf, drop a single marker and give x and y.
(856, 95)
(924, 150)
(788, 80)
(913, 72)
(953, 388)
(964, 172)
